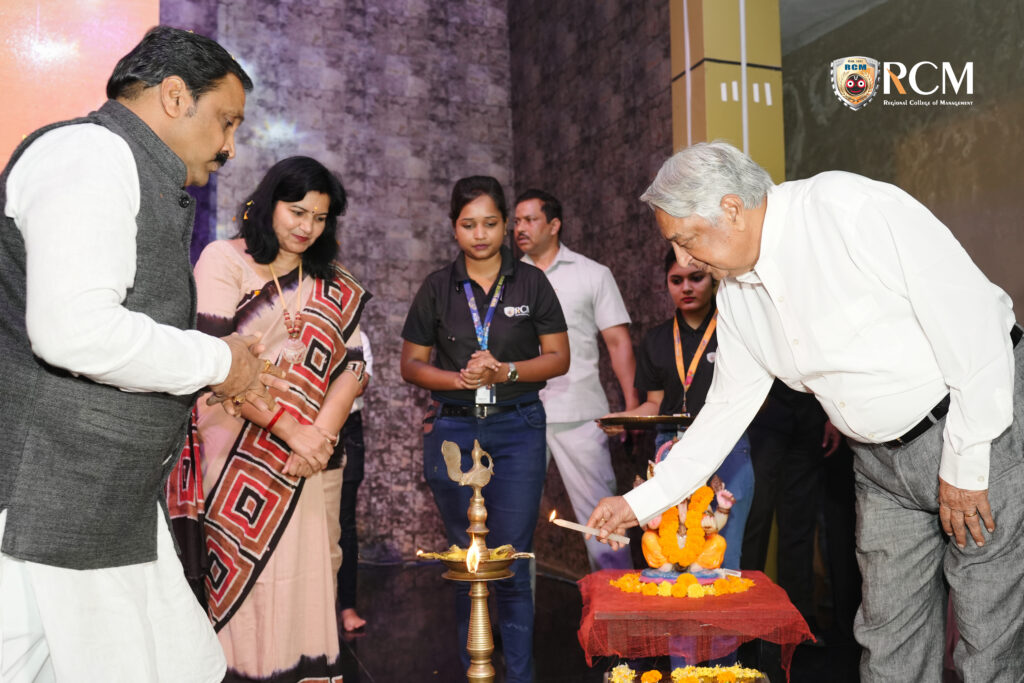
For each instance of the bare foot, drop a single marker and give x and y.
(351, 619)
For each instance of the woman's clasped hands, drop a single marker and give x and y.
(481, 370)
(311, 448)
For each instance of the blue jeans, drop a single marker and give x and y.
(515, 441)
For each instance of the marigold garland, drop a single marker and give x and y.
(716, 674)
(690, 674)
(685, 586)
(667, 530)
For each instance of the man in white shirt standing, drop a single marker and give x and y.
(850, 289)
(101, 366)
(591, 303)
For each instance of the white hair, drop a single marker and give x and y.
(692, 182)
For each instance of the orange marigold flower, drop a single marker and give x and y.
(701, 498)
(727, 677)
(650, 589)
(651, 677)
(686, 579)
(630, 583)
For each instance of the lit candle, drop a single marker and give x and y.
(618, 538)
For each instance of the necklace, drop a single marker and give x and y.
(667, 530)
(294, 350)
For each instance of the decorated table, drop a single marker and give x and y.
(633, 625)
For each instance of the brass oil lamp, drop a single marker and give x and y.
(477, 564)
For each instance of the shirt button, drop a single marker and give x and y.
(842, 404)
(781, 299)
(796, 342)
(981, 480)
(871, 435)
(184, 201)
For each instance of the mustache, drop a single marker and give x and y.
(221, 158)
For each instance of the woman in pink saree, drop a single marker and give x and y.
(269, 582)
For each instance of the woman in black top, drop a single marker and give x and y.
(676, 376)
(499, 334)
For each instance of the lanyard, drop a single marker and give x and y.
(686, 375)
(482, 329)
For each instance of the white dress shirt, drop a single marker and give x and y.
(861, 296)
(591, 302)
(74, 195)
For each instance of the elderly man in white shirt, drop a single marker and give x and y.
(592, 303)
(850, 289)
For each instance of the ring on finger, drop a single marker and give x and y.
(266, 365)
(973, 514)
(238, 400)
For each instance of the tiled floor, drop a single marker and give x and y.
(410, 635)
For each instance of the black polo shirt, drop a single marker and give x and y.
(440, 317)
(656, 364)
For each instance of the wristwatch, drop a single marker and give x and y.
(513, 374)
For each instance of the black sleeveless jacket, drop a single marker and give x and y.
(82, 464)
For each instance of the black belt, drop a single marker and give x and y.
(480, 410)
(941, 408)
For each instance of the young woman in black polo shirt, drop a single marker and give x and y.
(499, 334)
(674, 367)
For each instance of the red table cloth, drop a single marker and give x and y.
(633, 625)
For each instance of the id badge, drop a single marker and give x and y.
(486, 395)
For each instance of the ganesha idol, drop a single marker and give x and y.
(686, 538)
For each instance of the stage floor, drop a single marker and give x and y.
(411, 635)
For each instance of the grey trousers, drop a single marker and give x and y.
(907, 561)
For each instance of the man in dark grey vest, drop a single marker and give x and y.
(100, 368)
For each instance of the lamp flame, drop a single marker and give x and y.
(419, 551)
(473, 558)
(554, 513)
